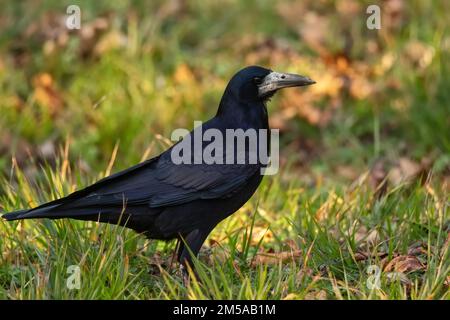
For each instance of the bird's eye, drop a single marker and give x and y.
(257, 80)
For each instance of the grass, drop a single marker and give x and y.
(328, 228)
(363, 192)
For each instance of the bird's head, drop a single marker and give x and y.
(256, 83)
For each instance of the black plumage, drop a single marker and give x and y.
(165, 200)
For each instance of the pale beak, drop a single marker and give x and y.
(277, 80)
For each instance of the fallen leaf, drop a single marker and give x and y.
(110, 41)
(328, 84)
(417, 249)
(361, 87)
(404, 264)
(275, 258)
(290, 11)
(377, 178)
(46, 93)
(316, 295)
(393, 14)
(302, 273)
(183, 74)
(332, 201)
(348, 172)
(292, 296)
(267, 50)
(292, 244)
(361, 256)
(314, 30)
(405, 171)
(409, 167)
(47, 149)
(348, 8)
(259, 233)
(419, 54)
(368, 236)
(398, 276)
(446, 245)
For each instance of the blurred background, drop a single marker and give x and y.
(365, 152)
(137, 70)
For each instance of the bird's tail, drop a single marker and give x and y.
(16, 215)
(39, 212)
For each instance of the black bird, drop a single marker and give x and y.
(184, 201)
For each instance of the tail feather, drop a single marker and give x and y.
(114, 215)
(16, 215)
(108, 214)
(39, 212)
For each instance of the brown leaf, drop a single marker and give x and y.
(293, 103)
(183, 74)
(348, 8)
(323, 212)
(275, 258)
(290, 11)
(259, 233)
(361, 256)
(404, 264)
(110, 41)
(417, 249)
(398, 276)
(316, 295)
(47, 149)
(314, 31)
(409, 167)
(237, 268)
(393, 13)
(265, 50)
(292, 244)
(92, 40)
(361, 87)
(405, 171)
(419, 54)
(368, 236)
(45, 92)
(156, 263)
(302, 273)
(292, 296)
(328, 84)
(446, 245)
(377, 178)
(348, 172)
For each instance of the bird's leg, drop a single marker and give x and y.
(180, 247)
(189, 247)
(176, 252)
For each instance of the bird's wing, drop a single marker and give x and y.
(159, 182)
(187, 182)
(101, 186)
